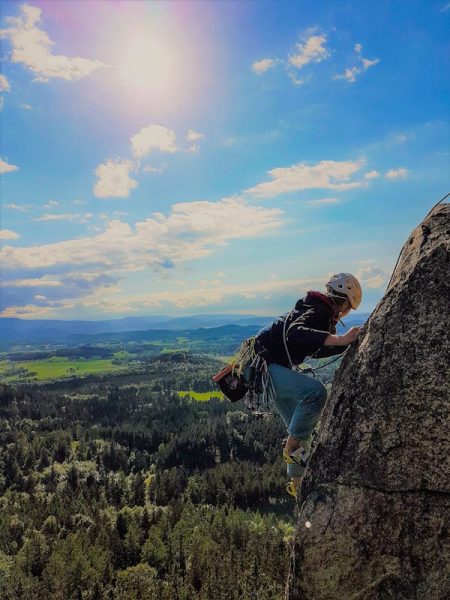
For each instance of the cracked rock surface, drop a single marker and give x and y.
(374, 504)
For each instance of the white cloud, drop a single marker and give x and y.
(114, 179)
(313, 50)
(39, 297)
(371, 175)
(328, 174)
(194, 149)
(446, 7)
(65, 217)
(4, 84)
(16, 207)
(32, 48)
(153, 137)
(397, 173)
(6, 168)
(350, 74)
(192, 230)
(372, 277)
(189, 232)
(194, 136)
(26, 106)
(263, 65)
(6, 234)
(324, 201)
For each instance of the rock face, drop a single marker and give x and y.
(374, 505)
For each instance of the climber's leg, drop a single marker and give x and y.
(299, 401)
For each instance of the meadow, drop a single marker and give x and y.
(54, 368)
(200, 396)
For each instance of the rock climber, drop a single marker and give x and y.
(308, 330)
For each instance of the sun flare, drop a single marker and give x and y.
(147, 64)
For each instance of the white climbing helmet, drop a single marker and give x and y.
(345, 285)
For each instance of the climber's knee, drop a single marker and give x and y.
(320, 395)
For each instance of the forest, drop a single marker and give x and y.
(116, 486)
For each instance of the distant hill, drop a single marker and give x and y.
(43, 330)
(200, 328)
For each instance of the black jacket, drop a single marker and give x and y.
(307, 327)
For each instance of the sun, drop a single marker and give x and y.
(147, 65)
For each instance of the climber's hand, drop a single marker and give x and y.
(351, 335)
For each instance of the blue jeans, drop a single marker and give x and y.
(299, 400)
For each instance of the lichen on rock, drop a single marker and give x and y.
(376, 493)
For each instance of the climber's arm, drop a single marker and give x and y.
(343, 340)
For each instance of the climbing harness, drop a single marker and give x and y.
(298, 368)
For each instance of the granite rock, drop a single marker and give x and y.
(374, 504)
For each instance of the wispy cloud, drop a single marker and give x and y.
(45, 281)
(114, 179)
(400, 173)
(322, 201)
(372, 276)
(51, 204)
(261, 66)
(151, 169)
(7, 168)
(350, 74)
(16, 207)
(32, 47)
(4, 84)
(371, 174)
(4, 87)
(6, 234)
(194, 136)
(327, 174)
(82, 219)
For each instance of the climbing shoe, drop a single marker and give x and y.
(291, 489)
(299, 456)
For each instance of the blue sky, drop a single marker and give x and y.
(193, 157)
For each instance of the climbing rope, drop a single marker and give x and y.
(306, 369)
(401, 251)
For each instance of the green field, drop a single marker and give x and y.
(201, 396)
(56, 368)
